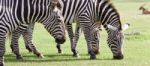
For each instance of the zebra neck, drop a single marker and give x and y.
(107, 14)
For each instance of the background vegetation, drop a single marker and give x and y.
(136, 47)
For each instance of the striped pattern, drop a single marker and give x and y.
(16, 15)
(106, 15)
(79, 11)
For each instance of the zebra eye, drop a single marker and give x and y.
(59, 6)
(53, 5)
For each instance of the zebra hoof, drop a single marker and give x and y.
(76, 55)
(28, 48)
(96, 52)
(59, 52)
(41, 56)
(29, 51)
(19, 58)
(60, 40)
(118, 57)
(92, 57)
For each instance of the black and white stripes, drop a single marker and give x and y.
(16, 15)
(104, 13)
(110, 18)
(80, 11)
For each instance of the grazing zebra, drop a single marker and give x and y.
(107, 16)
(81, 11)
(16, 16)
(110, 19)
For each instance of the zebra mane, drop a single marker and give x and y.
(112, 27)
(125, 26)
(114, 8)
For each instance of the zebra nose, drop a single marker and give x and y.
(118, 56)
(60, 40)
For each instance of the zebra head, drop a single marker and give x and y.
(115, 40)
(55, 26)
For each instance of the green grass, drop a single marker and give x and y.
(136, 47)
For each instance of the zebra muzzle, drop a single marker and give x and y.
(118, 56)
(60, 40)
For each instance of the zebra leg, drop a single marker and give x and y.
(58, 46)
(87, 29)
(2, 48)
(76, 37)
(71, 34)
(96, 35)
(28, 48)
(11, 47)
(77, 34)
(27, 35)
(96, 41)
(14, 43)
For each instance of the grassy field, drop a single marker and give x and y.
(136, 47)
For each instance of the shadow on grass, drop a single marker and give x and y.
(50, 58)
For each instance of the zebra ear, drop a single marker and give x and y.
(54, 4)
(125, 26)
(112, 27)
(56, 9)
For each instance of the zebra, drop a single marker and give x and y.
(109, 18)
(16, 15)
(81, 11)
